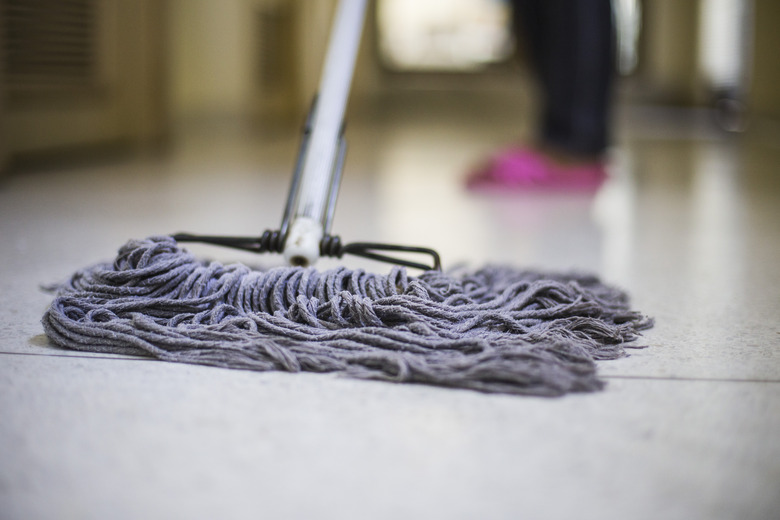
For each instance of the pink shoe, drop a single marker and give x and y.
(526, 170)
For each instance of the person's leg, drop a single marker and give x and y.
(529, 23)
(575, 66)
(570, 46)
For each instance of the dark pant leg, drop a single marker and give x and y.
(571, 46)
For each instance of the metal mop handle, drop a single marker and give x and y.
(304, 234)
(314, 189)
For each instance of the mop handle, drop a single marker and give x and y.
(313, 191)
(304, 234)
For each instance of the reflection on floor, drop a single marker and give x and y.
(687, 428)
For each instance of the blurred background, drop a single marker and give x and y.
(85, 77)
(122, 119)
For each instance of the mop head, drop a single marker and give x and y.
(496, 329)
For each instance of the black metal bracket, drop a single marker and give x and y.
(330, 246)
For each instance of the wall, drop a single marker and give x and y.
(219, 50)
(123, 102)
(4, 149)
(210, 57)
(668, 54)
(765, 94)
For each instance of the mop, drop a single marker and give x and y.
(495, 329)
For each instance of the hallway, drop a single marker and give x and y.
(687, 428)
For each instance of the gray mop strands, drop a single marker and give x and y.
(492, 330)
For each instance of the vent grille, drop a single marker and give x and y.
(49, 43)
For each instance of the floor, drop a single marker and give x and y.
(686, 429)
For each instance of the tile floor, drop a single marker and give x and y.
(686, 429)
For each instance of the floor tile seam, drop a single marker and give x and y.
(696, 379)
(624, 377)
(76, 356)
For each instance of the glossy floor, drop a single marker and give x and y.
(688, 224)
